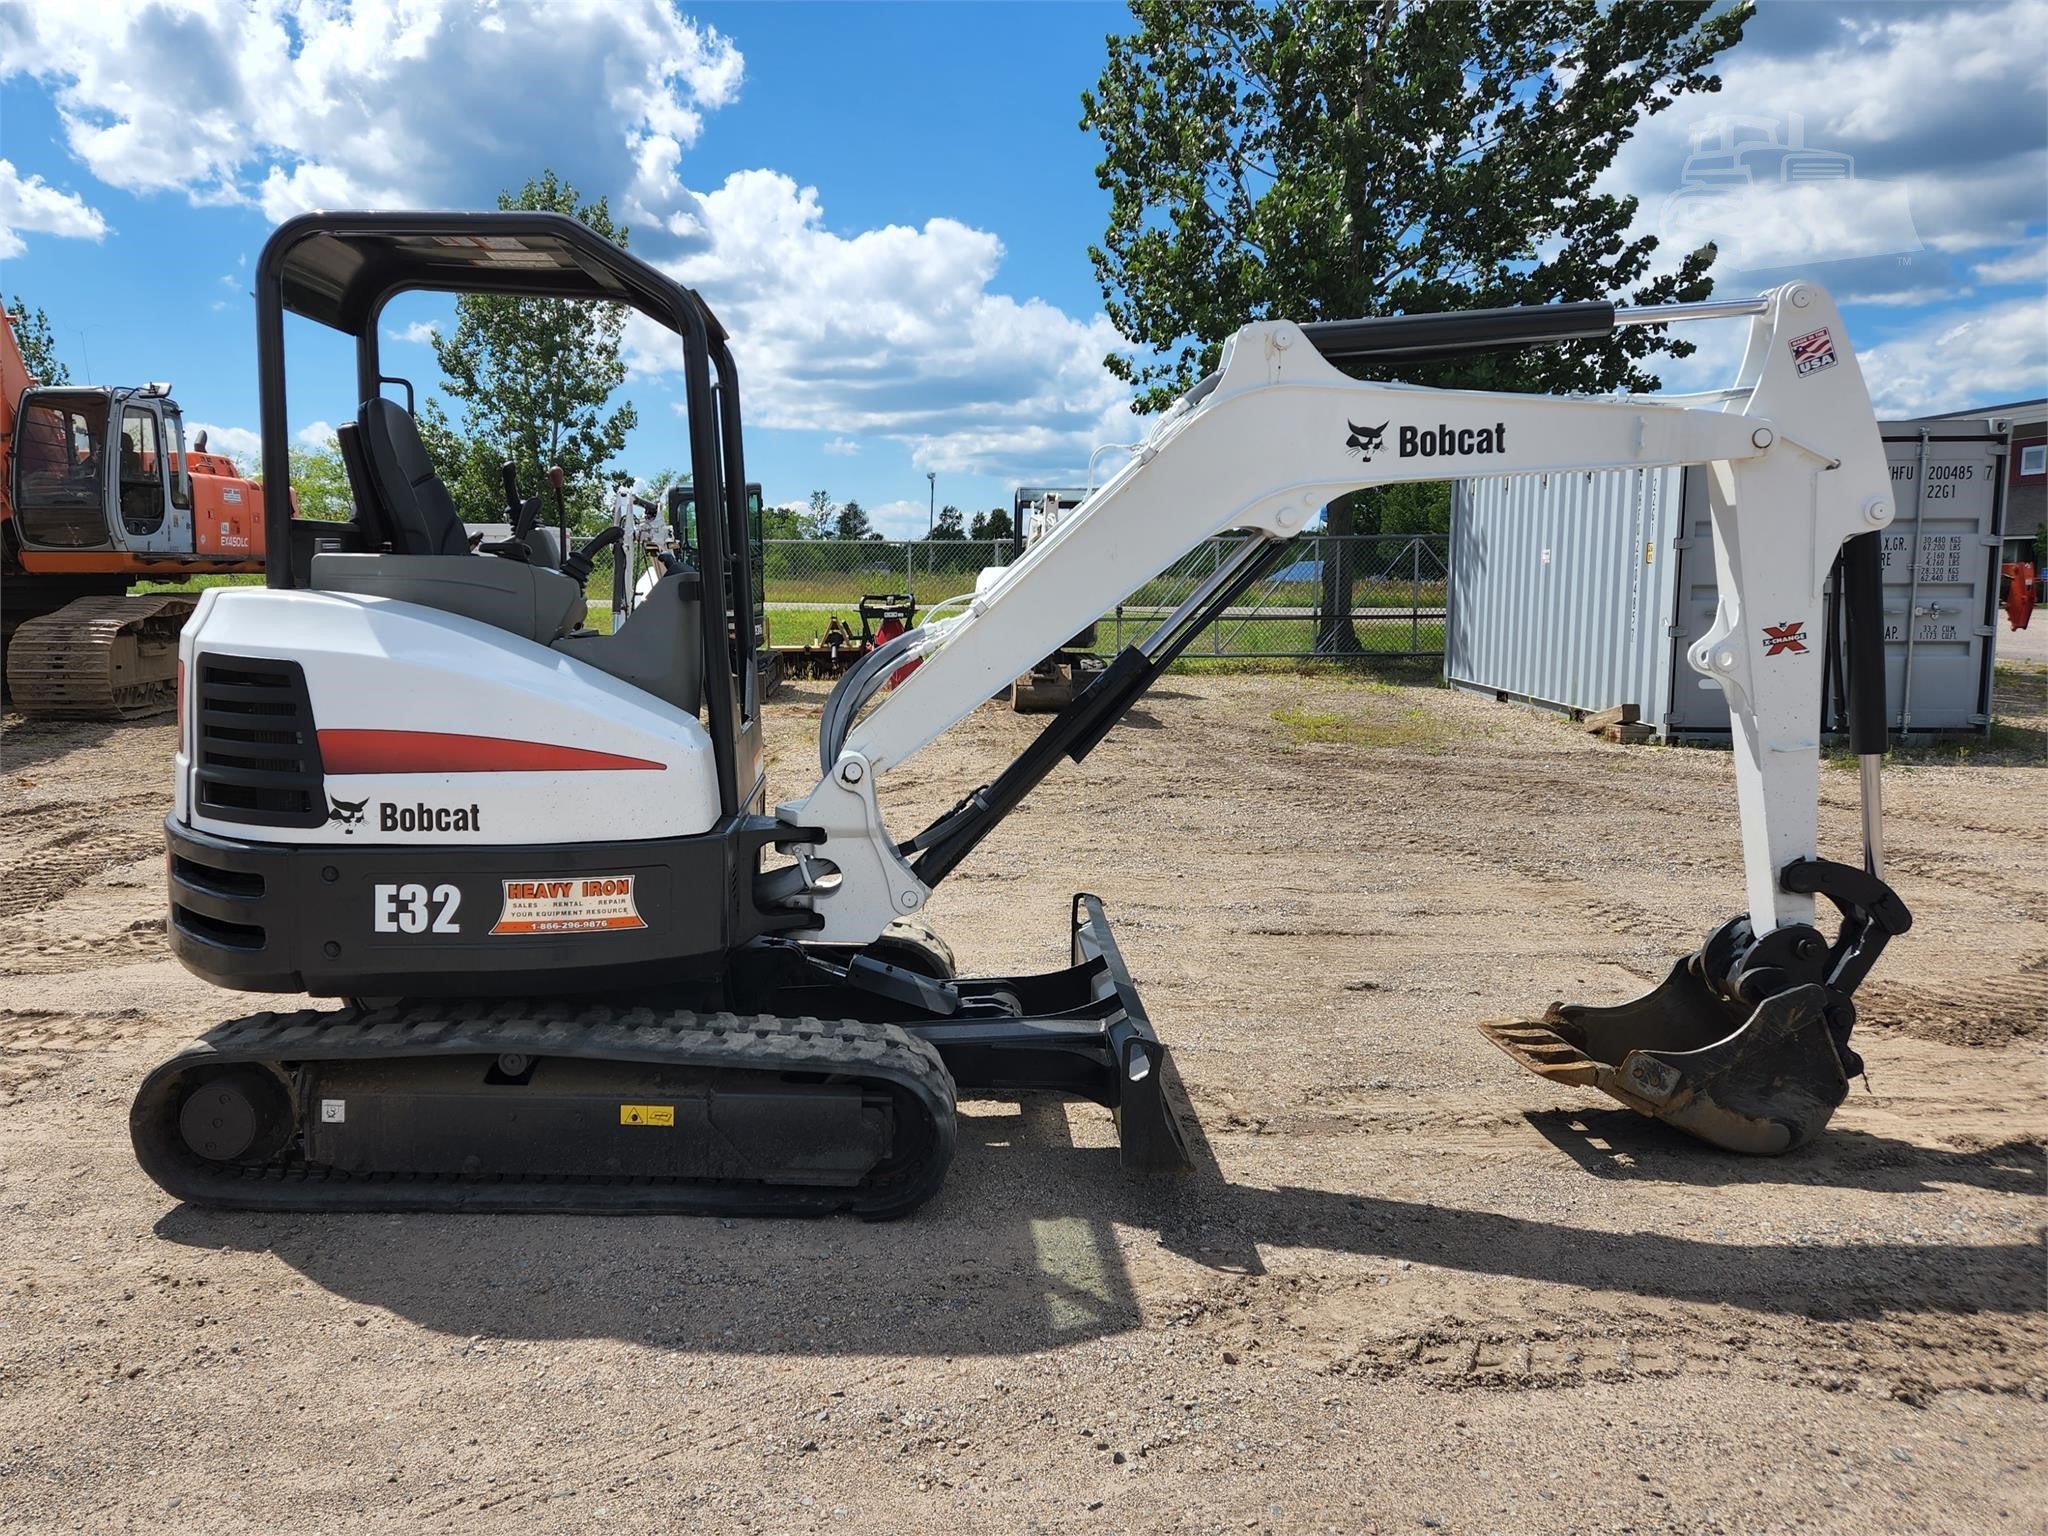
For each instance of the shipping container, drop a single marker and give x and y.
(1583, 591)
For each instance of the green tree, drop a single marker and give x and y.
(320, 482)
(1320, 159)
(534, 376)
(948, 525)
(38, 344)
(470, 466)
(992, 524)
(818, 521)
(852, 523)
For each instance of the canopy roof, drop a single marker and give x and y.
(340, 268)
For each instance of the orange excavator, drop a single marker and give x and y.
(98, 491)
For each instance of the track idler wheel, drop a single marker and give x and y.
(1760, 1080)
(237, 1115)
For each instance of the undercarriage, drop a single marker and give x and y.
(829, 1086)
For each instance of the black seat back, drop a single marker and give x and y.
(420, 514)
(372, 517)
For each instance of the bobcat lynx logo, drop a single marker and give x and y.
(1365, 441)
(348, 812)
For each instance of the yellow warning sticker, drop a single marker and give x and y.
(647, 1114)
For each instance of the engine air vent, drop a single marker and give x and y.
(258, 754)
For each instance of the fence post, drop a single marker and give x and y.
(1415, 598)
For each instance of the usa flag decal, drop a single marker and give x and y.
(1813, 352)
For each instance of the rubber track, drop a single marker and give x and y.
(99, 658)
(879, 1054)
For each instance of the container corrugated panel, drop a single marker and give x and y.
(1940, 558)
(1583, 591)
(1557, 594)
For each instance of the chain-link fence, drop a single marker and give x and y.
(1367, 594)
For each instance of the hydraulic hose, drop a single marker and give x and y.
(852, 691)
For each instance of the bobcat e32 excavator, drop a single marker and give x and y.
(587, 968)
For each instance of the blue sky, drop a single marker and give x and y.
(890, 206)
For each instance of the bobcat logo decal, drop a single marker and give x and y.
(1365, 441)
(348, 812)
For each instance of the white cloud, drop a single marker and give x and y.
(238, 443)
(432, 102)
(316, 434)
(1950, 363)
(1852, 131)
(420, 333)
(1904, 298)
(30, 205)
(844, 446)
(2027, 265)
(897, 333)
(903, 519)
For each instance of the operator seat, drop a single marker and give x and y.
(419, 513)
(401, 499)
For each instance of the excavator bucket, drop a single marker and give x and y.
(1760, 1081)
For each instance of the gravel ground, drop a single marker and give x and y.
(1409, 1288)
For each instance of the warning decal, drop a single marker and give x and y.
(571, 904)
(647, 1114)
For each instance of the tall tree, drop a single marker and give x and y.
(1315, 159)
(468, 463)
(534, 376)
(948, 525)
(819, 520)
(992, 524)
(852, 522)
(37, 342)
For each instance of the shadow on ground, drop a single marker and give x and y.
(1620, 1144)
(1022, 1251)
(27, 744)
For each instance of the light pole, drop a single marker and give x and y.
(931, 523)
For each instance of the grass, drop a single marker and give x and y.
(1254, 644)
(1413, 728)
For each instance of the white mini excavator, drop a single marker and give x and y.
(583, 965)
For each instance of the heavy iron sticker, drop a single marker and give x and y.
(572, 904)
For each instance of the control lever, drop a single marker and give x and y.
(578, 566)
(522, 516)
(524, 513)
(561, 505)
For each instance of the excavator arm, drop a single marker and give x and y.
(1796, 472)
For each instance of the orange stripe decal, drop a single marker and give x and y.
(438, 752)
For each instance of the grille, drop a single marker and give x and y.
(259, 757)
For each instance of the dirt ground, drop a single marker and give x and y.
(1409, 1288)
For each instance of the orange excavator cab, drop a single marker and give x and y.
(98, 492)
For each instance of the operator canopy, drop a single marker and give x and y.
(341, 268)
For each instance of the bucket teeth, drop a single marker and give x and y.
(1761, 1082)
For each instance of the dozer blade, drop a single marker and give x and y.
(98, 658)
(1043, 693)
(1761, 1084)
